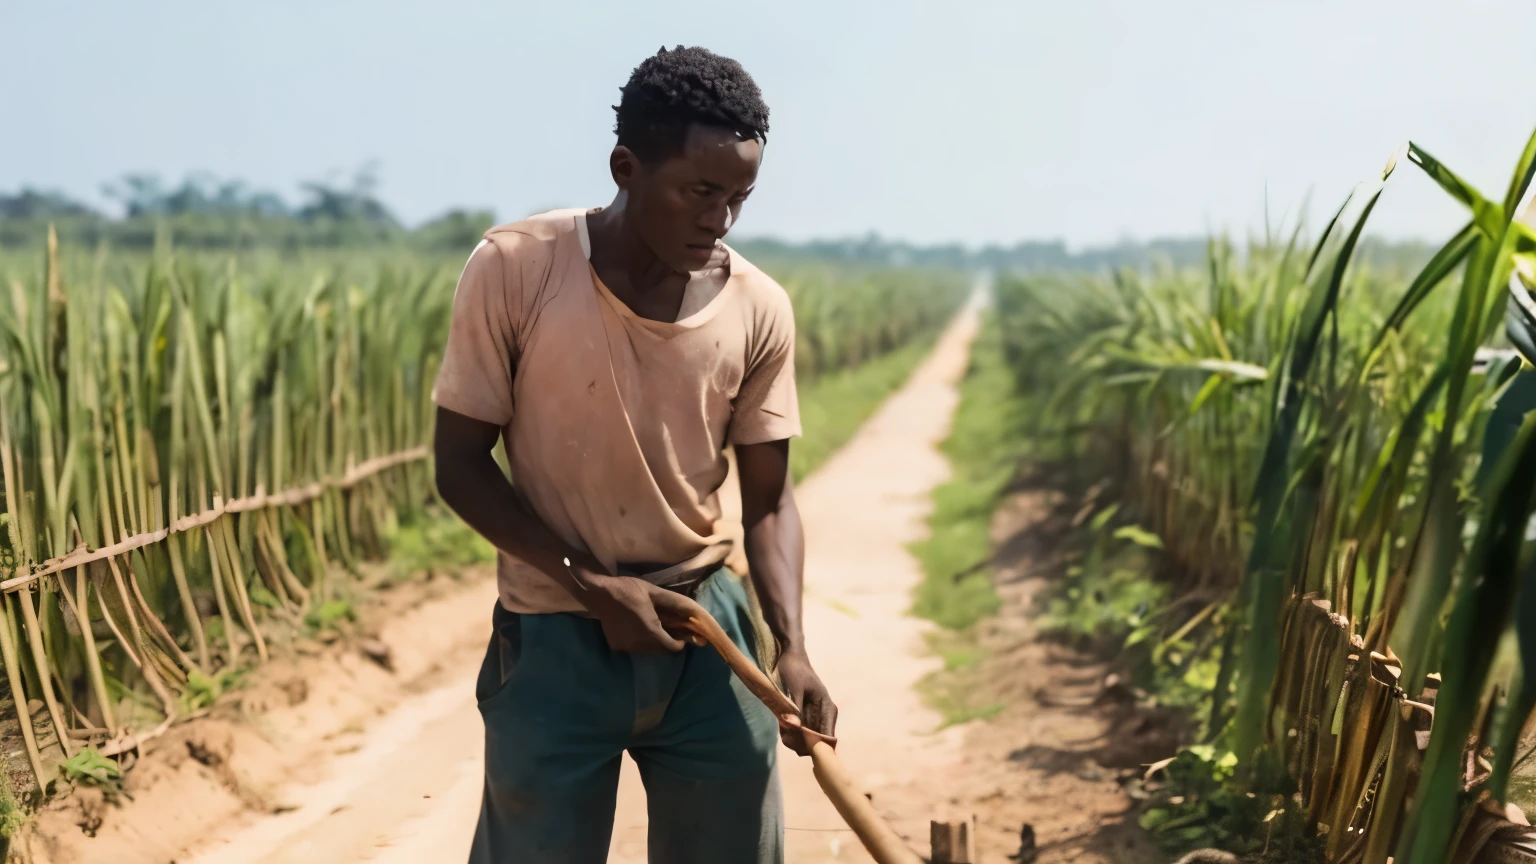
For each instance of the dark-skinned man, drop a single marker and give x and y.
(618, 352)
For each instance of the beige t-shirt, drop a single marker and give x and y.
(615, 425)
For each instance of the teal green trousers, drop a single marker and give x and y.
(561, 708)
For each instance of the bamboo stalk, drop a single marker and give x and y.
(19, 693)
(156, 625)
(146, 664)
(188, 607)
(268, 538)
(49, 479)
(236, 574)
(44, 675)
(81, 609)
(231, 638)
(124, 460)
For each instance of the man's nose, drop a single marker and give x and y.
(718, 219)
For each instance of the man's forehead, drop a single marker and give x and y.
(705, 140)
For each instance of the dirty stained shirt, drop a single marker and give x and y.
(615, 425)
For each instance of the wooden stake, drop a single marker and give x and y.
(952, 842)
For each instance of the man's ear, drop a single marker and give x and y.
(624, 165)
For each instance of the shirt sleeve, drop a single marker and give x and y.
(478, 364)
(767, 406)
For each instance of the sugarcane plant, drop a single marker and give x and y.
(1343, 457)
(182, 450)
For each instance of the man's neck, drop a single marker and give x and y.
(618, 250)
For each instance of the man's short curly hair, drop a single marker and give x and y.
(674, 89)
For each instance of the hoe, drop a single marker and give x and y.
(835, 781)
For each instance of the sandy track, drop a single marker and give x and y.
(407, 787)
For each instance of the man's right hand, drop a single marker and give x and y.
(631, 610)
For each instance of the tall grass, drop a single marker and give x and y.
(1339, 456)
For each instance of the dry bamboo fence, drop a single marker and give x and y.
(1354, 742)
(145, 626)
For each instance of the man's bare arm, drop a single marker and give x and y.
(473, 485)
(775, 541)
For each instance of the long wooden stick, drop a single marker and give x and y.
(835, 781)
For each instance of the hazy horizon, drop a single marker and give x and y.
(981, 123)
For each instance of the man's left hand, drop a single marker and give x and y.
(804, 688)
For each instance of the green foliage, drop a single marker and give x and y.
(1140, 536)
(91, 768)
(1316, 451)
(436, 542)
(264, 598)
(1200, 807)
(845, 317)
(1112, 603)
(328, 614)
(203, 689)
(12, 816)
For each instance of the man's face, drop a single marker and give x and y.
(684, 205)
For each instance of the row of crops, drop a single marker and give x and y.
(1337, 465)
(201, 456)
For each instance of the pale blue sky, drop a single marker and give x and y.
(926, 121)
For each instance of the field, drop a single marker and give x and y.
(1328, 470)
(207, 456)
(1301, 480)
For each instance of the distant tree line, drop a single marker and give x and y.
(1047, 255)
(205, 212)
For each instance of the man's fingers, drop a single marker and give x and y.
(666, 641)
(821, 713)
(794, 740)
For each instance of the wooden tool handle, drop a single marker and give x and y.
(834, 779)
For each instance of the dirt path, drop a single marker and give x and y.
(380, 767)
(1050, 762)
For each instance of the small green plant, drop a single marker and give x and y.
(204, 690)
(436, 542)
(1200, 807)
(90, 768)
(1114, 603)
(264, 598)
(328, 614)
(12, 817)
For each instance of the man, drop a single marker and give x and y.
(617, 352)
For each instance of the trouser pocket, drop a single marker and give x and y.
(501, 655)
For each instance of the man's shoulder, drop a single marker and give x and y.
(759, 287)
(533, 236)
